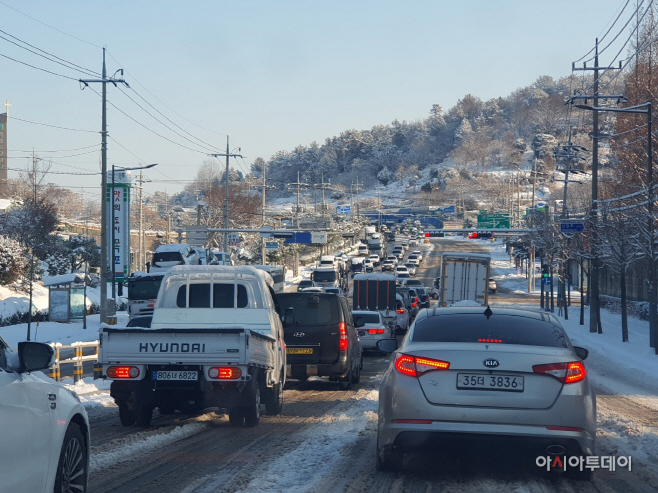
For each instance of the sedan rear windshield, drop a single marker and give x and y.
(505, 329)
(368, 318)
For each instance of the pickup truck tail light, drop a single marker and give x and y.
(118, 372)
(343, 336)
(224, 373)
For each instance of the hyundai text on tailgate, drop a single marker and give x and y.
(320, 337)
(216, 340)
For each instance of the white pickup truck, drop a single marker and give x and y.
(216, 340)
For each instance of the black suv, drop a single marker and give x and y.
(321, 338)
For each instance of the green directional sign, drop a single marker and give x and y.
(493, 220)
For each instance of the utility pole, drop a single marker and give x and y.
(141, 251)
(226, 201)
(324, 186)
(264, 186)
(299, 185)
(105, 262)
(594, 301)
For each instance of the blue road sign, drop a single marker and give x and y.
(299, 237)
(343, 209)
(449, 210)
(572, 227)
(547, 281)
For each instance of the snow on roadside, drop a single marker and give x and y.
(131, 446)
(320, 450)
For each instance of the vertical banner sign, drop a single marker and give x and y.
(118, 231)
(3, 155)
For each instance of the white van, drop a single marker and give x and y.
(166, 256)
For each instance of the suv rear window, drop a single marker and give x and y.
(509, 329)
(311, 308)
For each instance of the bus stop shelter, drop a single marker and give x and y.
(67, 294)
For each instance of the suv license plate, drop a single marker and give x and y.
(509, 383)
(299, 350)
(175, 375)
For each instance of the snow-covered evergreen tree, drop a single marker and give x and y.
(12, 262)
(385, 175)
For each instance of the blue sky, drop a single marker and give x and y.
(271, 74)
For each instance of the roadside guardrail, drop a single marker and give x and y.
(77, 360)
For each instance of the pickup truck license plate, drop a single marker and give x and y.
(299, 350)
(508, 383)
(175, 375)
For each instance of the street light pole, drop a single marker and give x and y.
(644, 108)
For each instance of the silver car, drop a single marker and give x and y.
(374, 329)
(501, 376)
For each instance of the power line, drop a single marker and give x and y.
(48, 56)
(38, 68)
(148, 128)
(607, 32)
(209, 146)
(55, 150)
(54, 126)
(49, 26)
(163, 103)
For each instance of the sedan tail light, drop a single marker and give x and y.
(375, 331)
(564, 372)
(414, 366)
(400, 310)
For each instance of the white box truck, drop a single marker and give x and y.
(464, 277)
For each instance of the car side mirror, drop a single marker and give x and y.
(358, 322)
(581, 352)
(387, 345)
(289, 317)
(35, 356)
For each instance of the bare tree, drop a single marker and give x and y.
(619, 248)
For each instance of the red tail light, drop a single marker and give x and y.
(375, 331)
(564, 372)
(122, 372)
(224, 373)
(415, 366)
(342, 345)
(400, 310)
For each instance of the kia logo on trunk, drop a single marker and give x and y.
(491, 363)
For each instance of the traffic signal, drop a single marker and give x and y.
(544, 270)
(427, 234)
(474, 235)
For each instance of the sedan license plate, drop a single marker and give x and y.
(175, 375)
(299, 350)
(509, 383)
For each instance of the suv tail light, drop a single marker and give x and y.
(564, 372)
(342, 345)
(224, 373)
(414, 366)
(117, 372)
